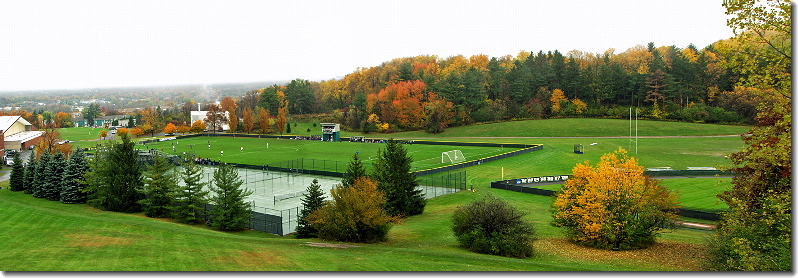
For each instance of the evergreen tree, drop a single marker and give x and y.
(115, 177)
(72, 183)
(40, 181)
(17, 179)
(230, 209)
(353, 171)
(311, 202)
(159, 188)
(392, 173)
(53, 174)
(30, 173)
(288, 128)
(191, 198)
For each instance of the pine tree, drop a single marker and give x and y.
(311, 202)
(17, 179)
(288, 128)
(191, 198)
(353, 171)
(114, 177)
(392, 173)
(53, 174)
(230, 209)
(72, 183)
(159, 188)
(30, 173)
(40, 181)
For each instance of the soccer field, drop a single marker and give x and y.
(265, 151)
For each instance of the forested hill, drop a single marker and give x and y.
(431, 93)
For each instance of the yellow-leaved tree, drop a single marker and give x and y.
(557, 98)
(354, 214)
(613, 205)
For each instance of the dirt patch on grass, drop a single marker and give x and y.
(253, 260)
(333, 245)
(87, 240)
(674, 255)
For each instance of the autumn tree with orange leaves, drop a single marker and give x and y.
(613, 205)
(170, 128)
(264, 120)
(248, 120)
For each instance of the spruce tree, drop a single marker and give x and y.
(53, 174)
(159, 188)
(393, 176)
(353, 171)
(17, 179)
(191, 198)
(30, 173)
(114, 178)
(288, 128)
(310, 202)
(230, 209)
(72, 183)
(40, 184)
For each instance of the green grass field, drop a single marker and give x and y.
(50, 236)
(42, 235)
(578, 127)
(80, 133)
(258, 151)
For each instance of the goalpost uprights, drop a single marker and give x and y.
(454, 156)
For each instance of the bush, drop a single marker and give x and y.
(355, 214)
(492, 226)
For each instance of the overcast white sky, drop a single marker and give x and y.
(93, 44)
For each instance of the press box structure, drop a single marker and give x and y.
(331, 132)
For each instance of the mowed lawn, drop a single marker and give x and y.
(584, 127)
(261, 151)
(81, 133)
(43, 235)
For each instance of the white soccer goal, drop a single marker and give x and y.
(453, 157)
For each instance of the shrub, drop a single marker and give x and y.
(355, 214)
(492, 226)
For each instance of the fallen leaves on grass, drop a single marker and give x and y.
(251, 260)
(87, 240)
(333, 245)
(667, 254)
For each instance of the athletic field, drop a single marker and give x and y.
(269, 151)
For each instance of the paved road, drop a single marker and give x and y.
(5, 171)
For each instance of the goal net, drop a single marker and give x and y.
(453, 157)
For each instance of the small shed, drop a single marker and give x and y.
(331, 132)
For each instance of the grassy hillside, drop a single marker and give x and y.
(49, 236)
(579, 127)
